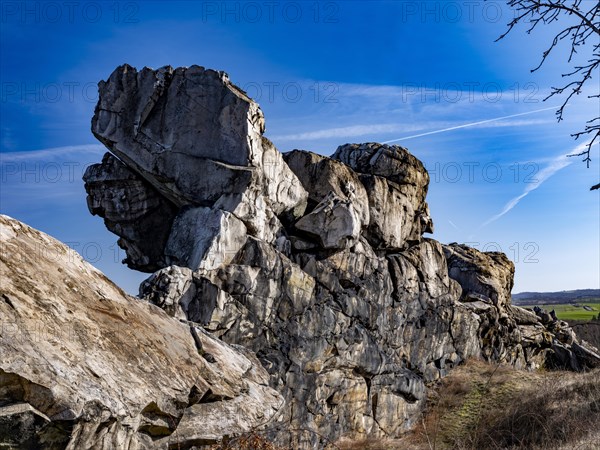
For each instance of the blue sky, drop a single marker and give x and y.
(325, 73)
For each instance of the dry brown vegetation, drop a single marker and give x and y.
(482, 406)
(249, 441)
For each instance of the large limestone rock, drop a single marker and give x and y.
(316, 264)
(83, 365)
(487, 277)
(398, 218)
(169, 123)
(321, 176)
(396, 184)
(392, 162)
(486, 280)
(508, 332)
(195, 138)
(335, 222)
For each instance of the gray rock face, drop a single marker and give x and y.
(507, 331)
(195, 138)
(85, 366)
(392, 162)
(160, 122)
(335, 222)
(316, 264)
(396, 183)
(171, 289)
(320, 176)
(204, 238)
(487, 280)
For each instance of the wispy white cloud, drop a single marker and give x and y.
(349, 131)
(558, 163)
(516, 123)
(7, 139)
(450, 92)
(52, 153)
(372, 129)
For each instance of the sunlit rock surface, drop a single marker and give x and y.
(317, 265)
(83, 365)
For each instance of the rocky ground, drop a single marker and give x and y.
(302, 283)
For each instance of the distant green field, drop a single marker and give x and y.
(569, 312)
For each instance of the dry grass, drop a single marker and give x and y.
(378, 444)
(248, 441)
(482, 406)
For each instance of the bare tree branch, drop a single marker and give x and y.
(585, 29)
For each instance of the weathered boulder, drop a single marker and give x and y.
(396, 184)
(484, 276)
(508, 332)
(392, 162)
(167, 124)
(398, 218)
(568, 352)
(334, 221)
(486, 280)
(320, 175)
(171, 289)
(523, 317)
(83, 365)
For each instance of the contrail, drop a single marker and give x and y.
(558, 163)
(468, 125)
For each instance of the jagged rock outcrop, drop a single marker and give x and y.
(196, 139)
(507, 331)
(83, 365)
(486, 280)
(396, 183)
(317, 265)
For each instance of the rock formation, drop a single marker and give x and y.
(317, 265)
(195, 140)
(83, 365)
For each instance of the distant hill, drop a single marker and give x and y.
(532, 298)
